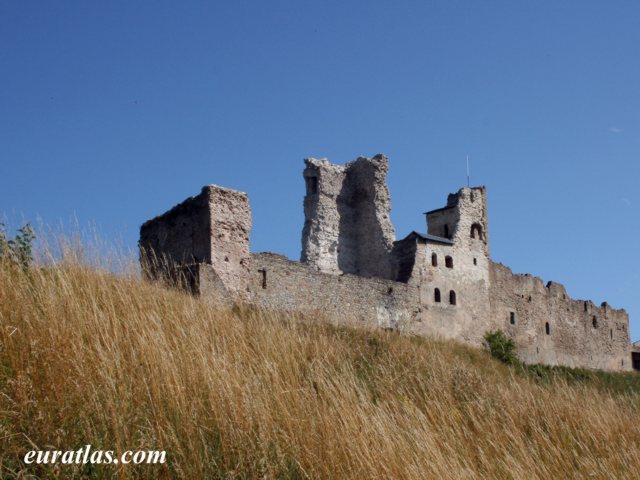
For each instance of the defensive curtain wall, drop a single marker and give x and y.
(440, 282)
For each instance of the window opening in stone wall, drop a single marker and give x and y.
(434, 259)
(594, 322)
(263, 271)
(312, 185)
(436, 295)
(448, 261)
(547, 328)
(512, 318)
(475, 261)
(611, 333)
(586, 306)
(476, 231)
(452, 297)
(446, 231)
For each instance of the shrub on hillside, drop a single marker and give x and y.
(19, 249)
(501, 347)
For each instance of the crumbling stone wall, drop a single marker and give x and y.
(352, 271)
(551, 328)
(347, 217)
(211, 228)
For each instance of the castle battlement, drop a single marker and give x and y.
(440, 282)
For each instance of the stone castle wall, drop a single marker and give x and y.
(211, 228)
(278, 283)
(551, 328)
(441, 284)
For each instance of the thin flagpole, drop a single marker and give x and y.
(468, 180)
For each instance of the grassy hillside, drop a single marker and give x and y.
(90, 358)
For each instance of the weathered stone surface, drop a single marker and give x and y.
(347, 217)
(211, 228)
(440, 284)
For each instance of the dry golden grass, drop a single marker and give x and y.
(91, 358)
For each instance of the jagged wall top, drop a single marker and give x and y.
(347, 217)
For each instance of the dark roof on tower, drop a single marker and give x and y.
(439, 209)
(430, 238)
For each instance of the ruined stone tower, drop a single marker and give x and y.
(204, 239)
(347, 226)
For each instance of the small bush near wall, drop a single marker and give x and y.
(501, 347)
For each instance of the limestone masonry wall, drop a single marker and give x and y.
(281, 284)
(441, 283)
(551, 328)
(211, 228)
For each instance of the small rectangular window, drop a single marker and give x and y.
(512, 318)
(312, 185)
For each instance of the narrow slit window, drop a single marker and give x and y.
(452, 297)
(446, 231)
(512, 318)
(448, 261)
(547, 328)
(434, 259)
(594, 322)
(475, 261)
(436, 295)
(263, 271)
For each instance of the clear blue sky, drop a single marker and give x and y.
(114, 111)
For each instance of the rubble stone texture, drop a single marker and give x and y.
(211, 228)
(440, 284)
(347, 225)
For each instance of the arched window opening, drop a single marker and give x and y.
(434, 259)
(446, 231)
(512, 318)
(547, 328)
(476, 231)
(448, 261)
(594, 322)
(452, 297)
(436, 295)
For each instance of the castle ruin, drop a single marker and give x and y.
(441, 283)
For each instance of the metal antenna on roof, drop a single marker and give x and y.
(468, 181)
